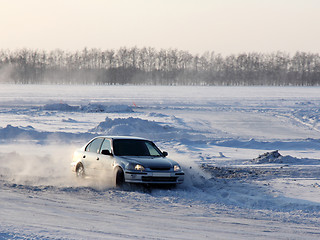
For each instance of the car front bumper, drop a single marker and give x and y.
(154, 177)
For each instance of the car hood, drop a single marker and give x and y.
(150, 162)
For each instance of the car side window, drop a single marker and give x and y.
(152, 150)
(106, 145)
(94, 146)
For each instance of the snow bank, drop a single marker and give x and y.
(69, 120)
(59, 107)
(137, 127)
(119, 126)
(154, 114)
(269, 157)
(90, 108)
(11, 133)
(269, 145)
(106, 108)
(276, 157)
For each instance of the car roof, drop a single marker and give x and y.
(122, 137)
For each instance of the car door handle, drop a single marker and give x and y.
(97, 158)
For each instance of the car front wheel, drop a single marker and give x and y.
(119, 177)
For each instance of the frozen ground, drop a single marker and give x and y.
(234, 189)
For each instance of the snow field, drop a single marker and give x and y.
(216, 134)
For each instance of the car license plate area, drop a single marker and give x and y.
(159, 179)
(161, 174)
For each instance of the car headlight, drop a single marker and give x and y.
(176, 168)
(139, 167)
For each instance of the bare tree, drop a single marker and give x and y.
(166, 66)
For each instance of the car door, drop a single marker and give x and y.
(106, 160)
(91, 156)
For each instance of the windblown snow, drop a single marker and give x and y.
(250, 154)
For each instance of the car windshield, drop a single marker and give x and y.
(134, 147)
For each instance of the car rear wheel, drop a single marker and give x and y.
(80, 171)
(119, 177)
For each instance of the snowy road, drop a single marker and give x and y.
(214, 132)
(83, 213)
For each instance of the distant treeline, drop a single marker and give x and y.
(158, 67)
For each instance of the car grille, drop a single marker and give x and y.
(160, 169)
(159, 179)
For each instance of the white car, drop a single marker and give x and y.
(126, 160)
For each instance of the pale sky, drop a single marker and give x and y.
(223, 26)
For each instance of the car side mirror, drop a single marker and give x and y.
(164, 154)
(106, 152)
